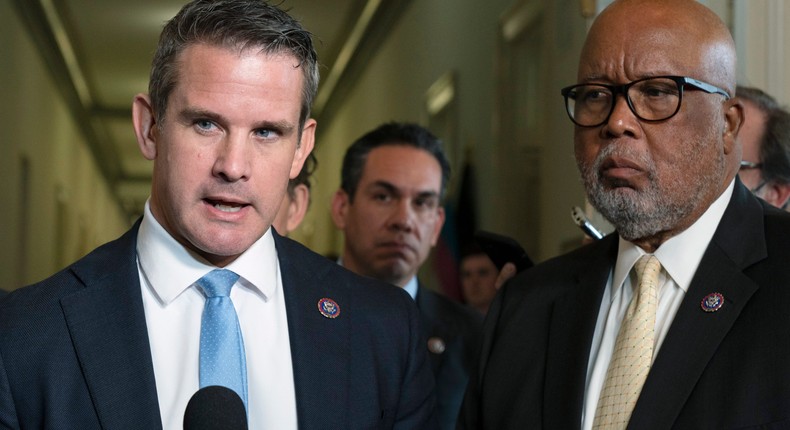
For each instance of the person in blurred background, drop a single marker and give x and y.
(297, 199)
(478, 276)
(765, 137)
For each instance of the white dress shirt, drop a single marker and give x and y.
(173, 309)
(679, 256)
(411, 287)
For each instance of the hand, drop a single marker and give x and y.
(508, 271)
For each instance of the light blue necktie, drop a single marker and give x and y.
(222, 360)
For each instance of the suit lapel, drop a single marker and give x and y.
(106, 322)
(320, 346)
(695, 334)
(572, 326)
(432, 327)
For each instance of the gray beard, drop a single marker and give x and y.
(661, 206)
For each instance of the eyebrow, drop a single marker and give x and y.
(395, 190)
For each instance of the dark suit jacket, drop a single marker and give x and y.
(728, 369)
(74, 351)
(458, 329)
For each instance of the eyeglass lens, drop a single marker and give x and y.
(653, 99)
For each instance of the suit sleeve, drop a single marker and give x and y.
(417, 407)
(470, 417)
(8, 419)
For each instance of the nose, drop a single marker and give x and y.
(622, 121)
(232, 162)
(402, 215)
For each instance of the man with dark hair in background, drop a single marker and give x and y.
(478, 277)
(765, 137)
(201, 291)
(389, 207)
(693, 337)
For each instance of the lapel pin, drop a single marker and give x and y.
(712, 302)
(436, 345)
(328, 308)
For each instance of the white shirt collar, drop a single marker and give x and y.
(680, 255)
(411, 287)
(170, 268)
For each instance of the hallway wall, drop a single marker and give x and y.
(438, 37)
(58, 205)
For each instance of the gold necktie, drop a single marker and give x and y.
(633, 351)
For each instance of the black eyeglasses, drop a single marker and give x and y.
(651, 99)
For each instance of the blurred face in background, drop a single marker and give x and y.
(751, 136)
(478, 281)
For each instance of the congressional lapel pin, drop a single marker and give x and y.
(436, 345)
(328, 308)
(712, 302)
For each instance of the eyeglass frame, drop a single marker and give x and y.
(750, 165)
(680, 81)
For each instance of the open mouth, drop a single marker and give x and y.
(229, 207)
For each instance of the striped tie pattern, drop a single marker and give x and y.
(633, 351)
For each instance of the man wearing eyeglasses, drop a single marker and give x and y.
(695, 336)
(765, 137)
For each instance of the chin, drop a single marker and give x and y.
(222, 247)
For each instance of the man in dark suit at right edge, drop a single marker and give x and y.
(655, 141)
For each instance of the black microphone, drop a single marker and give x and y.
(215, 408)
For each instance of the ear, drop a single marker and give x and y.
(304, 148)
(437, 228)
(298, 207)
(144, 124)
(733, 119)
(776, 194)
(340, 203)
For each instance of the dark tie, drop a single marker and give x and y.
(222, 360)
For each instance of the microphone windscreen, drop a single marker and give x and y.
(214, 408)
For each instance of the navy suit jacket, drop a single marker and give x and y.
(728, 369)
(459, 330)
(74, 351)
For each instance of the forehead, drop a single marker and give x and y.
(243, 78)
(476, 260)
(629, 55)
(752, 114)
(404, 167)
(635, 39)
(752, 130)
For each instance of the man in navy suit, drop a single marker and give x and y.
(113, 340)
(655, 142)
(389, 207)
